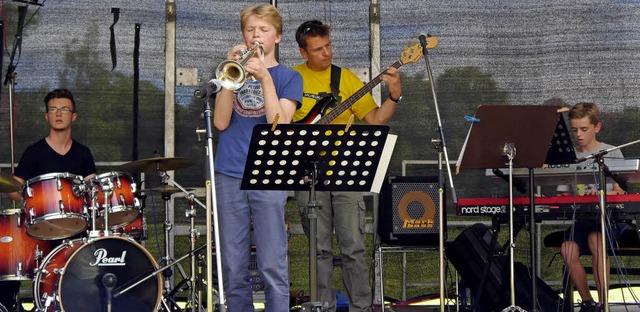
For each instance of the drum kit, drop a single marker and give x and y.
(79, 241)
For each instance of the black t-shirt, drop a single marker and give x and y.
(40, 158)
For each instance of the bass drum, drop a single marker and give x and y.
(71, 277)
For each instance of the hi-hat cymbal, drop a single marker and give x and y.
(8, 184)
(156, 164)
(165, 189)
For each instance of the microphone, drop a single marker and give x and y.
(109, 281)
(207, 89)
(423, 40)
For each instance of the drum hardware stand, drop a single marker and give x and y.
(166, 179)
(191, 282)
(193, 236)
(156, 272)
(107, 188)
(93, 193)
(167, 260)
(199, 281)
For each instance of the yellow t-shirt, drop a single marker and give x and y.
(316, 85)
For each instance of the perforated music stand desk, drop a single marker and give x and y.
(310, 157)
(528, 128)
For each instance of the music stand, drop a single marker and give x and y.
(561, 149)
(317, 157)
(500, 130)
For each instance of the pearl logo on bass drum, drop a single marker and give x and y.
(103, 260)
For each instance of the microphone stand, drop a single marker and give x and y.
(442, 149)
(10, 79)
(212, 211)
(602, 193)
(509, 151)
(109, 281)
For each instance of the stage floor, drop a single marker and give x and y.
(619, 300)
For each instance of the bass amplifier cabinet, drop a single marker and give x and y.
(409, 213)
(485, 270)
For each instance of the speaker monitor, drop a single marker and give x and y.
(409, 213)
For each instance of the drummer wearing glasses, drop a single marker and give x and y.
(57, 152)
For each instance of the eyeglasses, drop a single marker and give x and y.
(63, 110)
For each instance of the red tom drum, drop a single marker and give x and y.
(54, 206)
(123, 206)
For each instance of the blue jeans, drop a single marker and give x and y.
(236, 210)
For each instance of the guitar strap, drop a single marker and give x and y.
(335, 81)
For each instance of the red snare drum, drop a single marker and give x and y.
(20, 254)
(124, 207)
(70, 277)
(54, 206)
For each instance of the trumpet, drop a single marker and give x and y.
(232, 74)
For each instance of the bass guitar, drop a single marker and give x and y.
(326, 109)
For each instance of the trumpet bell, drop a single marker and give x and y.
(231, 74)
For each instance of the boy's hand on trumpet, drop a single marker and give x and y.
(255, 67)
(235, 54)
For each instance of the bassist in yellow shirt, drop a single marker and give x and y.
(342, 211)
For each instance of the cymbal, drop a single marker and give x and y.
(156, 164)
(8, 184)
(165, 189)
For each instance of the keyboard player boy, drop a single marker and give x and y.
(584, 236)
